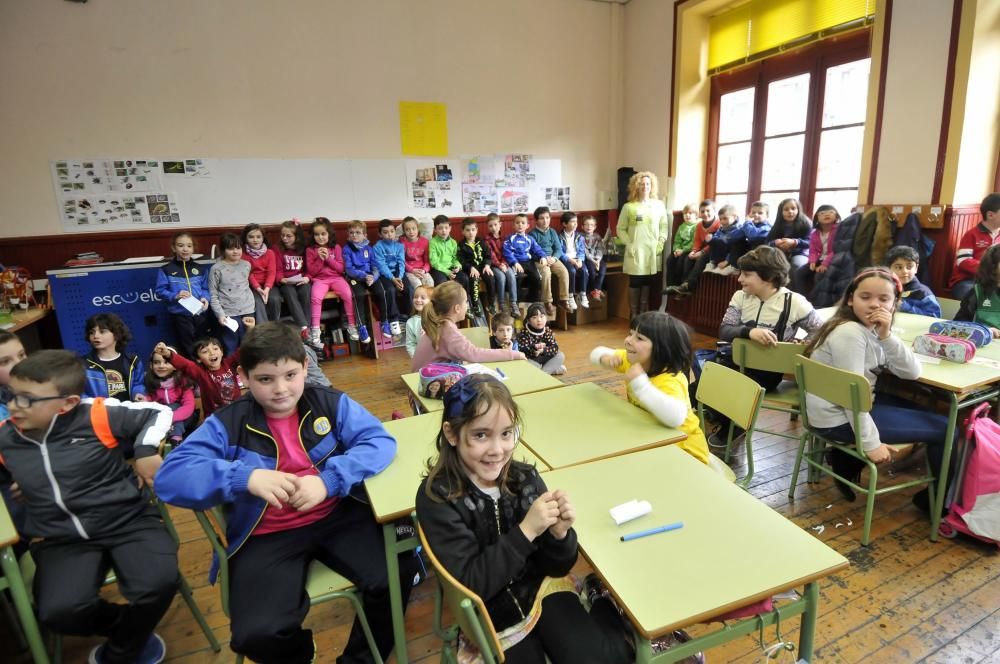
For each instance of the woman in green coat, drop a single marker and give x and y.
(644, 229)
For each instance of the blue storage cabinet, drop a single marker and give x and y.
(125, 289)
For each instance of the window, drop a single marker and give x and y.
(791, 126)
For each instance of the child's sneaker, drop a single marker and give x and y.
(515, 311)
(584, 302)
(710, 267)
(363, 335)
(560, 371)
(352, 332)
(570, 304)
(550, 309)
(387, 330)
(395, 327)
(729, 270)
(153, 652)
(595, 295)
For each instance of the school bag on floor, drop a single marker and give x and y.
(976, 511)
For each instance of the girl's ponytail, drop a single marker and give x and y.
(444, 297)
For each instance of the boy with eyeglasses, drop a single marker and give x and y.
(86, 510)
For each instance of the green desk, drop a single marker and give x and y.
(12, 581)
(584, 422)
(522, 378)
(964, 385)
(679, 578)
(392, 494)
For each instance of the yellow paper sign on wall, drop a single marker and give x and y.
(423, 128)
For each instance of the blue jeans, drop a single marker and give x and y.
(577, 276)
(232, 340)
(504, 283)
(962, 288)
(595, 276)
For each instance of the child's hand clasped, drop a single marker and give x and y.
(310, 491)
(273, 486)
(543, 514)
(567, 515)
(634, 372)
(611, 361)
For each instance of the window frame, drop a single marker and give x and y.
(813, 59)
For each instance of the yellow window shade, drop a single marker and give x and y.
(771, 23)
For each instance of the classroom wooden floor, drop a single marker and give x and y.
(904, 598)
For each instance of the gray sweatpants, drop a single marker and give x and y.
(552, 366)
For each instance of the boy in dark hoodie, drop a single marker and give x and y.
(917, 298)
(361, 273)
(111, 370)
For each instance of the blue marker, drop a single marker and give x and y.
(652, 531)
(502, 374)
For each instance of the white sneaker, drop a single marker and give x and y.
(584, 302)
(729, 270)
(395, 328)
(710, 267)
(352, 332)
(570, 304)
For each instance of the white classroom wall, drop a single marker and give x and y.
(309, 79)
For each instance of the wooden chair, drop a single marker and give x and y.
(779, 359)
(322, 583)
(949, 307)
(466, 607)
(851, 392)
(737, 397)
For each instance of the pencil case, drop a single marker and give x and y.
(945, 347)
(977, 333)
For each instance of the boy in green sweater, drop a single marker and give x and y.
(443, 251)
(683, 243)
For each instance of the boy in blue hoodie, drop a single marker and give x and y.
(521, 251)
(363, 276)
(285, 461)
(390, 259)
(111, 370)
(551, 267)
(724, 245)
(917, 298)
(751, 234)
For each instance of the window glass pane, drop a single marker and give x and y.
(738, 201)
(736, 116)
(787, 100)
(840, 157)
(844, 200)
(733, 168)
(782, 165)
(846, 95)
(773, 198)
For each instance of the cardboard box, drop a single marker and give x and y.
(597, 312)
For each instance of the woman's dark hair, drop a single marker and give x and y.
(824, 208)
(845, 312)
(769, 263)
(986, 275)
(230, 241)
(153, 382)
(248, 229)
(671, 342)
(800, 227)
(113, 324)
(447, 468)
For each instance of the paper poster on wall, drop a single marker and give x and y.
(423, 128)
(557, 198)
(192, 168)
(518, 171)
(513, 200)
(432, 186)
(479, 199)
(106, 175)
(481, 169)
(109, 209)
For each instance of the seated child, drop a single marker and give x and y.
(503, 332)
(656, 362)
(363, 275)
(263, 273)
(538, 343)
(286, 493)
(443, 252)
(698, 257)
(442, 342)
(574, 255)
(505, 279)
(474, 257)
(165, 385)
(682, 246)
(725, 243)
(755, 232)
(390, 259)
(415, 323)
(232, 300)
(112, 371)
(11, 352)
(84, 513)
(416, 249)
(917, 298)
(551, 267)
(325, 266)
(596, 262)
(521, 252)
(214, 374)
(518, 563)
(822, 237)
(981, 303)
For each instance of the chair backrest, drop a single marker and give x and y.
(479, 336)
(846, 389)
(779, 358)
(731, 393)
(949, 307)
(466, 606)
(214, 524)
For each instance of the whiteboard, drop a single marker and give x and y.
(234, 192)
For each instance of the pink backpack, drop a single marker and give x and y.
(976, 510)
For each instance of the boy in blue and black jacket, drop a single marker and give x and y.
(86, 510)
(917, 298)
(285, 462)
(112, 371)
(363, 276)
(389, 256)
(520, 250)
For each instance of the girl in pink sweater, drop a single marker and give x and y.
(442, 342)
(325, 267)
(166, 385)
(416, 248)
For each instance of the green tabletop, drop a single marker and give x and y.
(585, 422)
(732, 549)
(393, 491)
(522, 378)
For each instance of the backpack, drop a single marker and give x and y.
(975, 509)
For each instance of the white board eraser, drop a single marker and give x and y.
(633, 509)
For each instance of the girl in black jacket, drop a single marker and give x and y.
(493, 524)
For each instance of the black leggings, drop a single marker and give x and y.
(569, 635)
